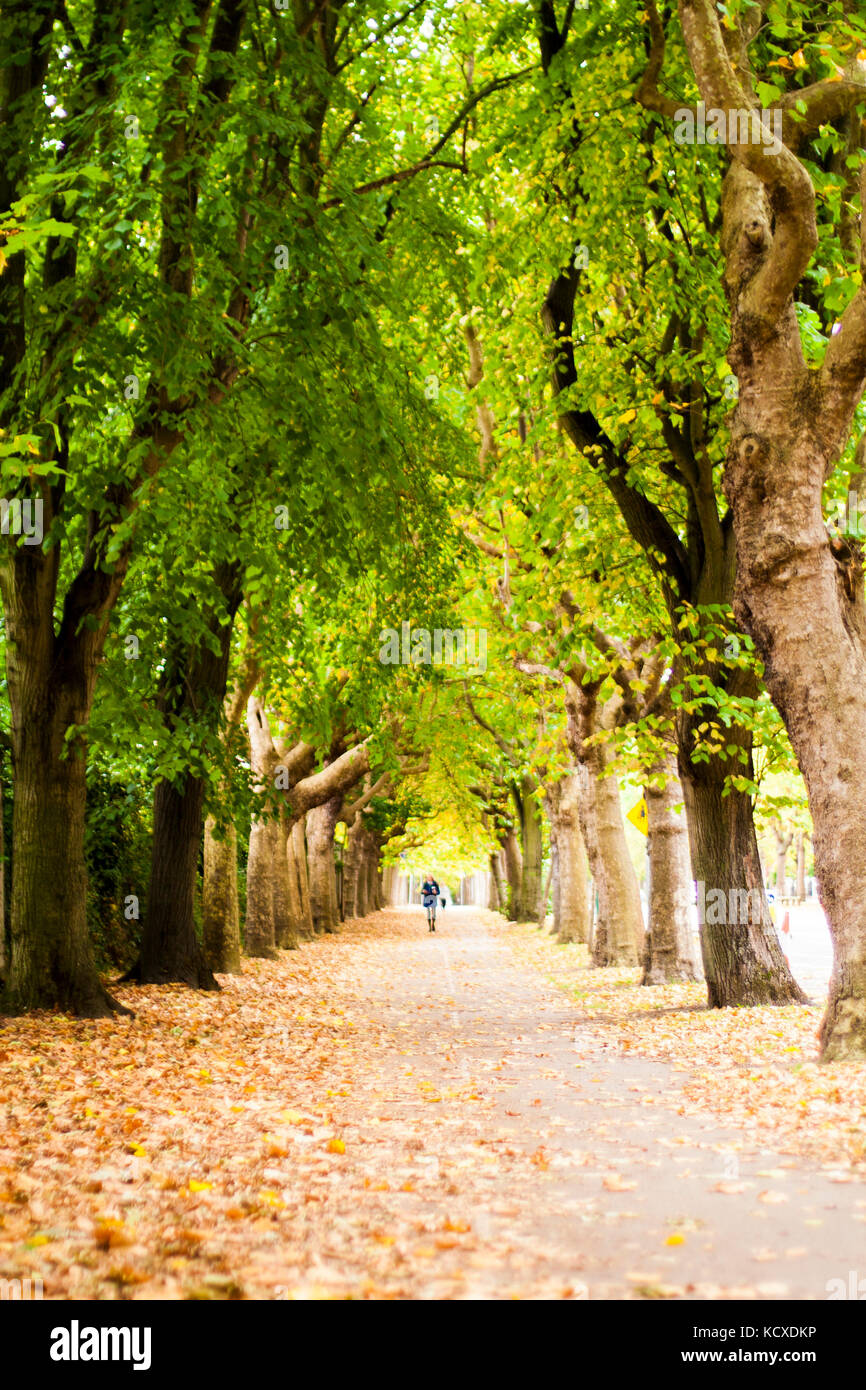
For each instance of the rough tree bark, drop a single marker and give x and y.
(513, 871)
(799, 593)
(619, 929)
(56, 640)
(669, 953)
(694, 565)
(260, 936)
(221, 921)
(286, 926)
(321, 824)
(294, 791)
(221, 924)
(352, 858)
(571, 901)
(530, 822)
(497, 902)
(298, 856)
(193, 686)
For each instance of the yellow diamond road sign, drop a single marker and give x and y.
(639, 816)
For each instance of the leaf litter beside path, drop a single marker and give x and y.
(326, 1126)
(755, 1069)
(308, 1132)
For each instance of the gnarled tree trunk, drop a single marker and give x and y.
(798, 593)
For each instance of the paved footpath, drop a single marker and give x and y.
(574, 1179)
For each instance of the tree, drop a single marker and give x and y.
(799, 591)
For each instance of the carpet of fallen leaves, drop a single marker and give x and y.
(353, 1120)
(756, 1069)
(293, 1136)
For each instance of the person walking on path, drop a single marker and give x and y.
(430, 899)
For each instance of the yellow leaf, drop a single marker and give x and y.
(627, 417)
(195, 1186)
(336, 1146)
(615, 1183)
(675, 1239)
(798, 60)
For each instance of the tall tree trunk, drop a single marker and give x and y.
(221, 922)
(321, 824)
(529, 812)
(497, 886)
(669, 953)
(51, 964)
(193, 688)
(743, 962)
(619, 930)
(799, 592)
(372, 866)
(299, 853)
(293, 891)
(513, 872)
(352, 862)
(286, 935)
(260, 938)
(50, 683)
(572, 921)
(362, 880)
(622, 910)
(170, 949)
